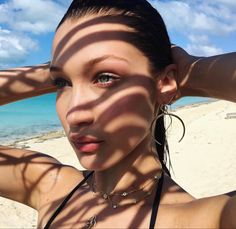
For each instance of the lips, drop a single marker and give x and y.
(86, 143)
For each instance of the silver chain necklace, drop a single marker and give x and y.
(91, 222)
(109, 196)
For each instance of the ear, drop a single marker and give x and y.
(166, 85)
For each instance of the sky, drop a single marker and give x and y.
(202, 27)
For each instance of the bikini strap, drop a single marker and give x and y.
(156, 202)
(155, 205)
(62, 205)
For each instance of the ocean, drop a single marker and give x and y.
(35, 116)
(28, 118)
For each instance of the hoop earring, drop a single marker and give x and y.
(165, 112)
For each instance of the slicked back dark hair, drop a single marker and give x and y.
(151, 38)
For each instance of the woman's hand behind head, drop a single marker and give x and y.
(184, 62)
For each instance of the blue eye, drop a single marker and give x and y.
(105, 79)
(61, 83)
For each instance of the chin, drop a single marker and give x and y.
(90, 164)
(93, 165)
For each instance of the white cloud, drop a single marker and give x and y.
(230, 3)
(197, 20)
(14, 47)
(37, 16)
(203, 50)
(203, 39)
(200, 45)
(26, 17)
(186, 16)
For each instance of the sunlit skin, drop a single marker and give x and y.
(107, 99)
(107, 92)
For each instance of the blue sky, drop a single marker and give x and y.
(203, 27)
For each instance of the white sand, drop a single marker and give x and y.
(204, 163)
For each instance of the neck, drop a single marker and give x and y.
(133, 172)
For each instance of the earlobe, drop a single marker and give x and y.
(167, 85)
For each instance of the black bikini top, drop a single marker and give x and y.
(155, 204)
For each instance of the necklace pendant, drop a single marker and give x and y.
(91, 223)
(157, 177)
(104, 196)
(114, 206)
(124, 194)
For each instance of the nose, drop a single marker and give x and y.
(80, 110)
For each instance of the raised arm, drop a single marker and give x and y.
(26, 176)
(20, 83)
(213, 77)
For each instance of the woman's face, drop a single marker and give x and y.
(106, 94)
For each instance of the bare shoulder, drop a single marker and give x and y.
(227, 206)
(210, 212)
(35, 175)
(229, 211)
(219, 210)
(56, 181)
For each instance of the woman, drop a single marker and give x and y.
(113, 72)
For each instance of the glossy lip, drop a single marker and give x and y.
(86, 143)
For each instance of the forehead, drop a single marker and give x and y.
(73, 29)
(92, 35)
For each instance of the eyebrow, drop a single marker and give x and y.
(91, 62)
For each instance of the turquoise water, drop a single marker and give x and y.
(189, 101)
(31, 117)
(28, 118)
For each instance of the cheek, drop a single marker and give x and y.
(125, 124)
(129, 117)
(131, 107)
(62, 103)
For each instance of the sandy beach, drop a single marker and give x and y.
(204, 162)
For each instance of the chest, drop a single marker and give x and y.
(85, 209)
